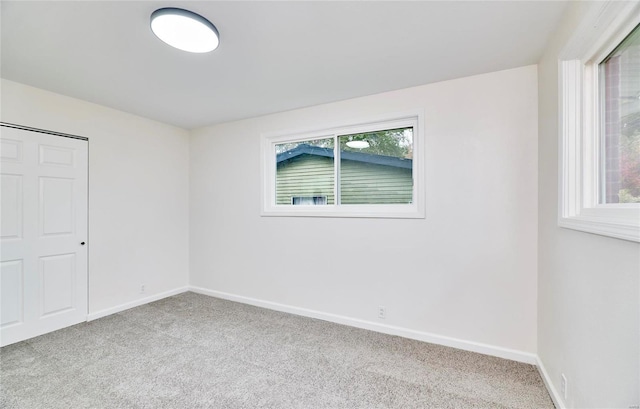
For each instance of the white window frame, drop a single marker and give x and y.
(268, 157)
(604, 28)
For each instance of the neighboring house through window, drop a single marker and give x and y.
(366, 170)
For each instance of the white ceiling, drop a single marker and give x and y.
(273, 56)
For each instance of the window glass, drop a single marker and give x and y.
(377, 167)
(620, 122)
(305, 170)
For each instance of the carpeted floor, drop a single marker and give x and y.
(194, 351)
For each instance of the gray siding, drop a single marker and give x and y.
(304, 176)
(365, 183)
(361, 183)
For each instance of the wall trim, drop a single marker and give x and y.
(136, 303)
(553, 392)
(466, 345)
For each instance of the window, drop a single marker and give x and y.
(600, 158)
(368, 169)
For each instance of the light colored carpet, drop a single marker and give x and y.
(194, 351)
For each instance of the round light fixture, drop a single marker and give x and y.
(358, 144)
(184, 30)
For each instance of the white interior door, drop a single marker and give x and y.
(43, 251)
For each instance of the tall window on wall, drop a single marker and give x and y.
(600, 158)
(369, 169)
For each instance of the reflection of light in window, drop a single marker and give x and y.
(358, 144)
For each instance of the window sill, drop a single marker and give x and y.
(347, 211)
(604, 227)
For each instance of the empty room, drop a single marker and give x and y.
(320, 204)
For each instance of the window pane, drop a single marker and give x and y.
(304, 173)
(620, 118)
(376, 167)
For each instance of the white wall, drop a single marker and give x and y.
(138, 193)
(467, 271)
(588, 293)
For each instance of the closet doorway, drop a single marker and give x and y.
(44, 232)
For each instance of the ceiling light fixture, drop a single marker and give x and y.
(185, 30)
(358, 144)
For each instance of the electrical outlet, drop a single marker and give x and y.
(142, 289)
(382, 312)
(563, 386)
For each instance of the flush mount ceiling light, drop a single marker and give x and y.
(358, 144)
(184, 30)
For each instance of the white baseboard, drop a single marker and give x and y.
(472, 346)
(136, 303)
(553, 392)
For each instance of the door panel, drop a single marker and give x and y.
(11, 279)
(57, 275)
(11, 191)
(43, 280)
(11, 150)
(56, 206)
(56, 156)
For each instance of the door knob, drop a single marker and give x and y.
(82, 243)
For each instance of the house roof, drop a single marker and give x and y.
(305, 149)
